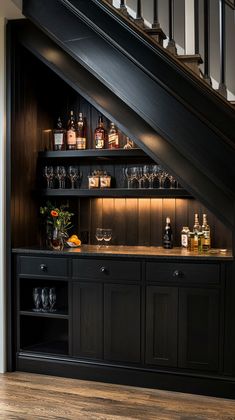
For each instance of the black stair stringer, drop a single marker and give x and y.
(155, 135)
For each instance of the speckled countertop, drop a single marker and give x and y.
(131, 251)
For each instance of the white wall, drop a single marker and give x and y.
(8, 10)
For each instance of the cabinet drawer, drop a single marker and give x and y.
(43, 266)
(105, 269)
(183, 272)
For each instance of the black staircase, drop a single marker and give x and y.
(178, 121)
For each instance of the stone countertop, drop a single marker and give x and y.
(131, 252)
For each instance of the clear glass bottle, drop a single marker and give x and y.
(71, 132)
(113, 137)
(168, 235)
(197, 227)
(81, 133)
(100, 134)
(185, 237)
(59, 136)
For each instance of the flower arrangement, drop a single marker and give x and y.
(58, 222)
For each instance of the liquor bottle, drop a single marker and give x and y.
(113, 137)
(185, 237)
(59, 136)
(71, 132)
(168, 235)
(81, 133)
(206, 233)
(197, 227)
(100, 134)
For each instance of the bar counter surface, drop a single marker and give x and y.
(133, 251)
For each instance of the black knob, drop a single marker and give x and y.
(177, 273)
(103, 270)
(43, 267)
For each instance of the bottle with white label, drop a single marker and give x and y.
(59, 136)
(185, 237)
(71, 132)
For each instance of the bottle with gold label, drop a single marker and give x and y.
(71, 132)
(113, 137)
(206, 233)
(81, 133)
(100, 134)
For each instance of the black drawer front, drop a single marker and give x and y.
(170, 272)
(43, 266)
(105, 269)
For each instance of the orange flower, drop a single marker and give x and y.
(54, 213)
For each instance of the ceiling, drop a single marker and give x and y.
(11, 9)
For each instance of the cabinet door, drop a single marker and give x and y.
(199, 329)
(161, 325)
(122, 323)
(87, 319)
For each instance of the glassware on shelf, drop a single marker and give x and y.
(49, 175)
(45, 299)
(52, 299)
(73, 175)
(99, 234)
(107, 235)
(60, 174)
(37, 299)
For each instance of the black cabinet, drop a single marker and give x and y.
(161, 325)
(199, 311)
(87, 319)
(122, 323)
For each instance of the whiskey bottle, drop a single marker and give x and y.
(197, 227)
(81, 133)
(59, 136)
(100, 134)
(168, 235)
(206, 234)
(113, 137)
(71, 132)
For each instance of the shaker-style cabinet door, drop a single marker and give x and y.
(161, 325)
(199, 328)
(122, 325)
(87, 320)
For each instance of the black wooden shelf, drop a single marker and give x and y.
(95, 153)
(117, 192)
(56, 315)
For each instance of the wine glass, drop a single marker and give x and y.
(49, 175)
(60, 174)
(107, 235)
(52, 299)
(99, 235)
(45, 299)
(37, 298)
(73, 174)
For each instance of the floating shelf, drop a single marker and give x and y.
(117, 192)
(95, 153)
(57, 315)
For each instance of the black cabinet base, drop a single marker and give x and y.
(171, 381)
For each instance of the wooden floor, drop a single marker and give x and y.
(30, 397)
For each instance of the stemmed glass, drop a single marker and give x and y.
(162, 175)
(60, 174)
(73, 174)
(49, 175)
(107, 235)
(52, 299)
(99, 234)
(37, 298)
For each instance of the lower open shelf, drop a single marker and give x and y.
(51, 347)
(117, 192)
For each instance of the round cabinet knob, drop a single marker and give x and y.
(103, 270)
(43, 267)
(178, 274)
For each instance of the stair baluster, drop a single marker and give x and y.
(122, 4)
(196, 25)
(206, 76)
(139, 20)
(222, 36)
(171, 44)
(156, 23)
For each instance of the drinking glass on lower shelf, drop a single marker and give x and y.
(49, 175)
(73, 174)
(60, 174)
(37, 299)
(52, 299)
(45, 299)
